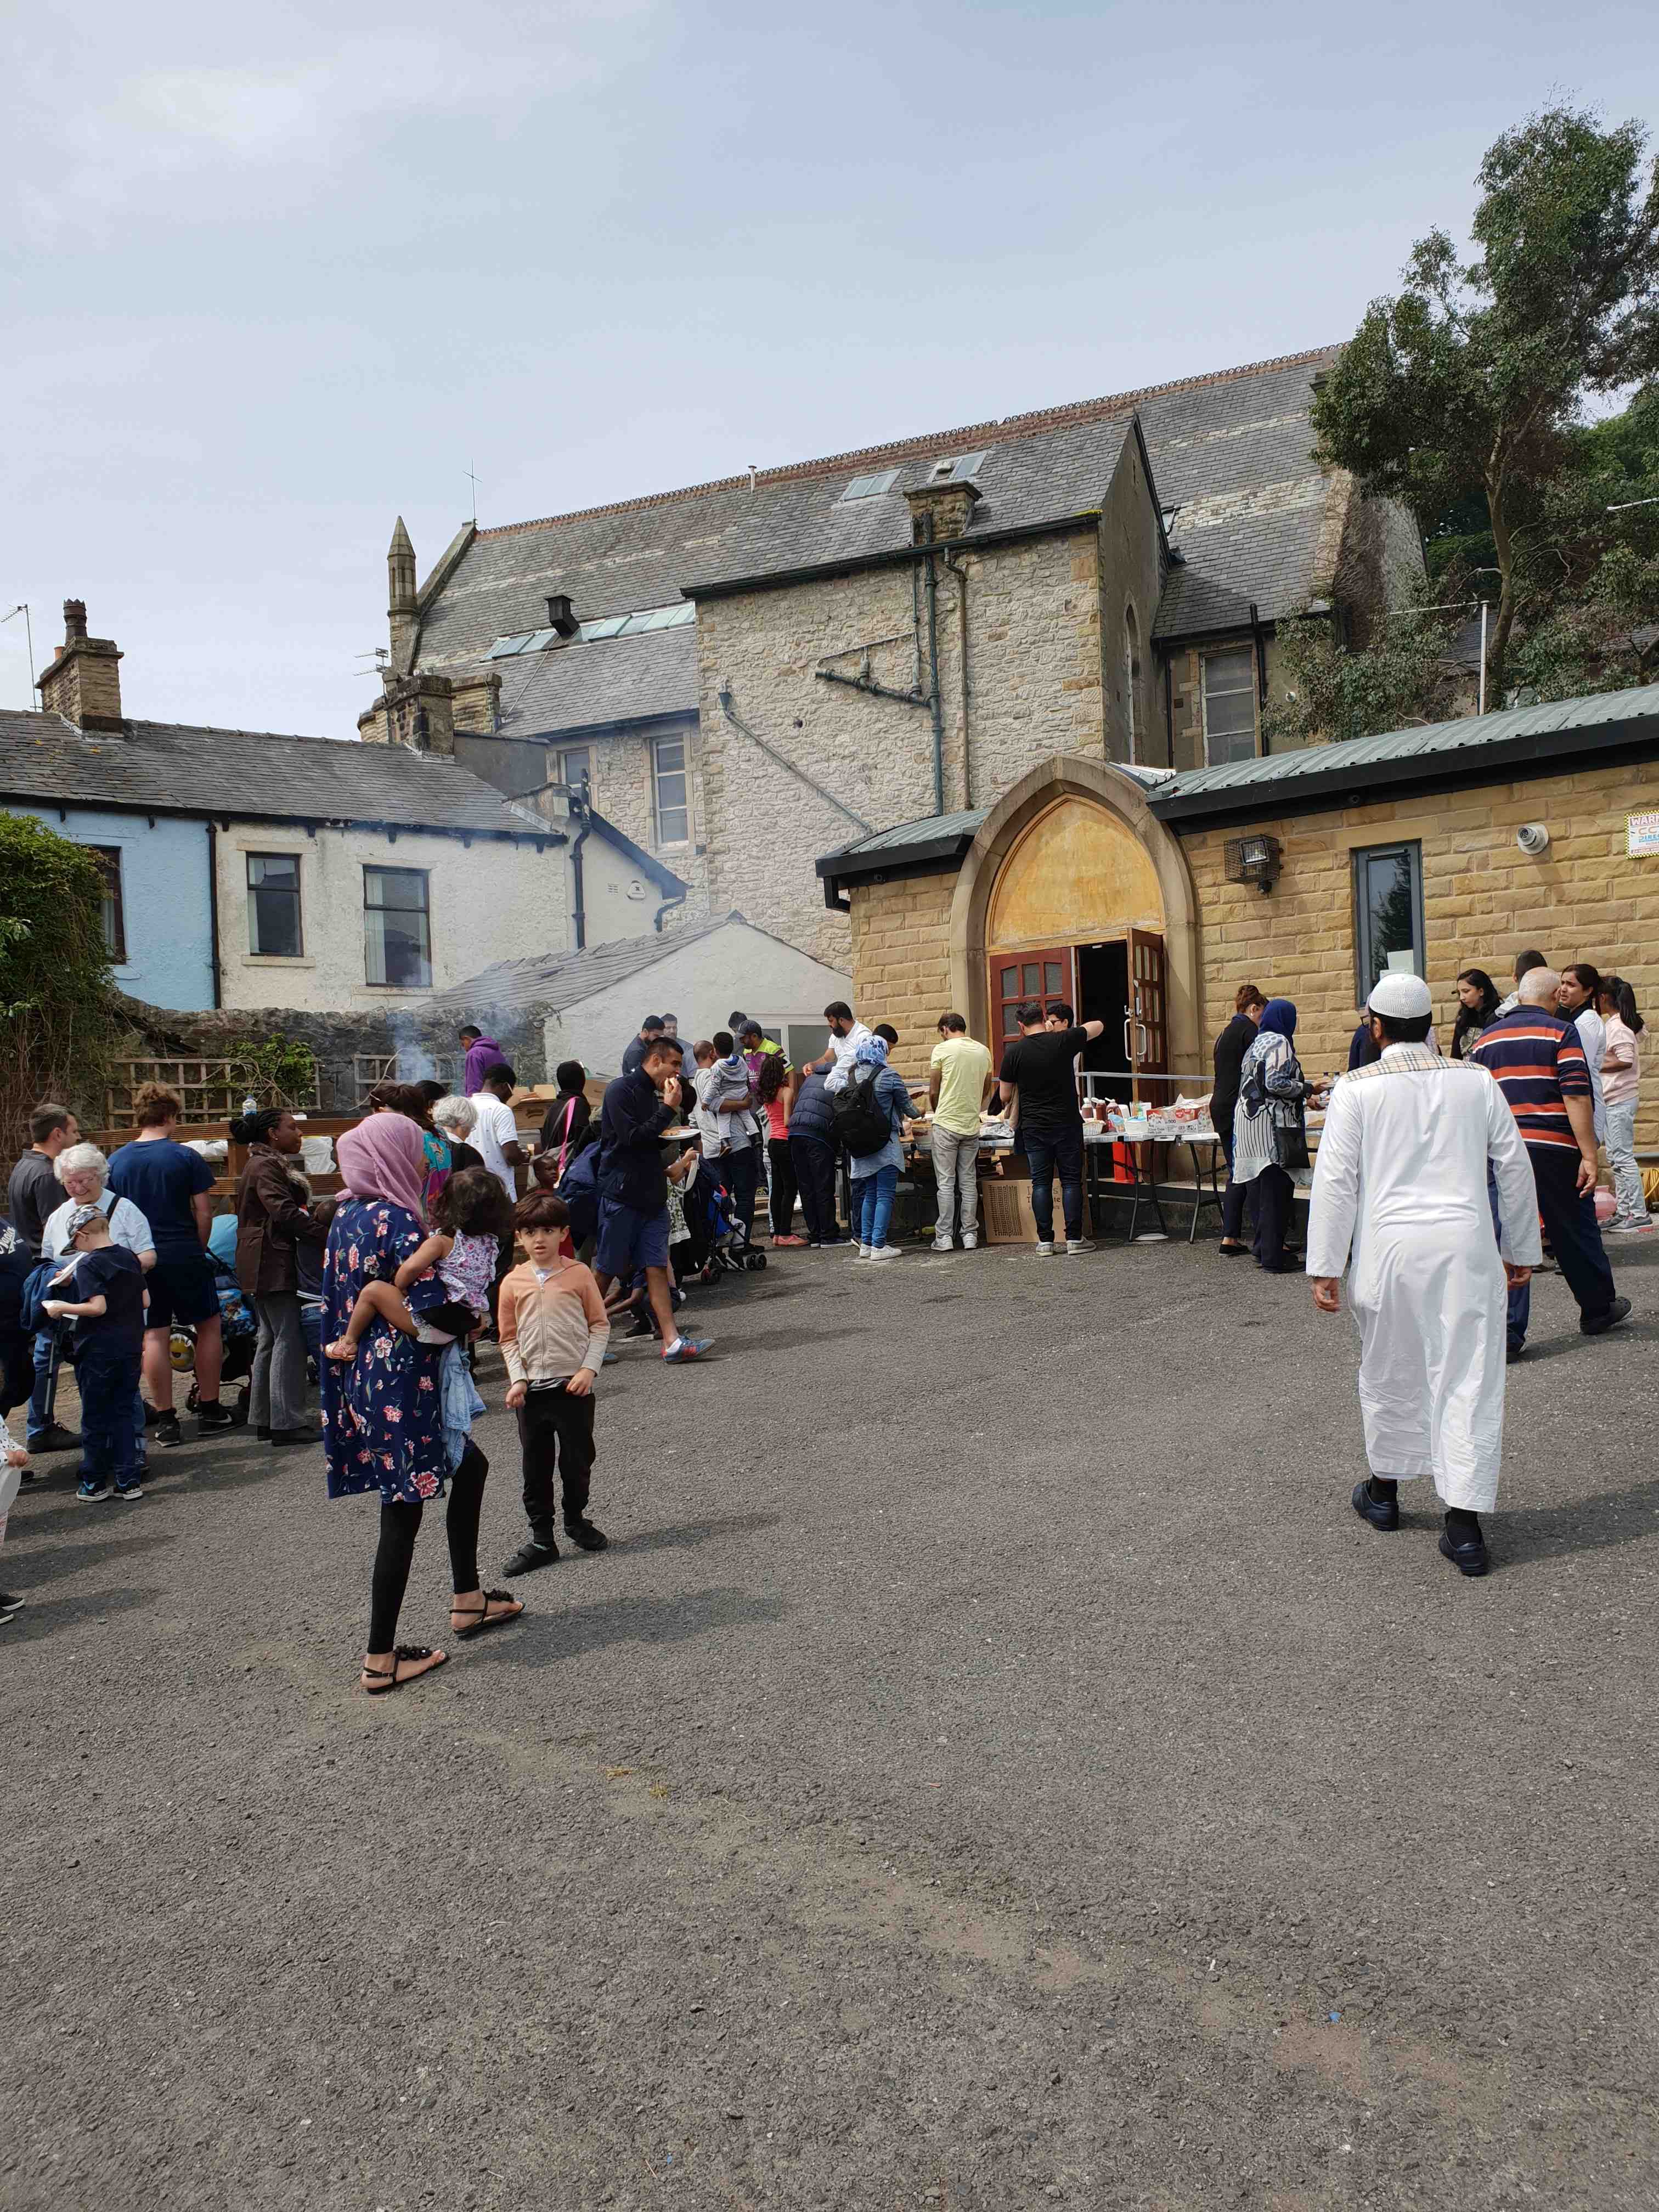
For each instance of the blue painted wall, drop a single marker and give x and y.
(164, 888)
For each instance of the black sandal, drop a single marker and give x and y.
(483, 1619)
(389, 1679)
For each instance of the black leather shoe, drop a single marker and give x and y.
(297, 1436)
(529, 1555)
(56, 1439)
(585, 1536)
(1469, 1559)
(263, 1431)
(1381, 1512)
(1515, 1352)
(1599, 1324)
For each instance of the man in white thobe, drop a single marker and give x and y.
(1400, 1202)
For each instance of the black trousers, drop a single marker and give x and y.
(399, 1526)
(1274, 1193)
(781, 1186)
(556, 1433)
(1574, 1235)
(1237, 1198)
(814, 1164)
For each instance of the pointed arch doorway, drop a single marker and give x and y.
(1073, 890)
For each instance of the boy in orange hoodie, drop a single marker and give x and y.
(554, 1332)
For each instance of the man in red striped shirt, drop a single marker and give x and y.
(1540, 1066)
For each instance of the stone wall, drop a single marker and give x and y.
(1484, 901)
(1034, 689)
(900, 933)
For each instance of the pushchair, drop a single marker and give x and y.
(239, 1329)
(719, 1244)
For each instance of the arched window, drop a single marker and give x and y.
(1132, 679)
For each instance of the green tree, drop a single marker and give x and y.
(1467, 384)
(1397, 681)
(57, 1018)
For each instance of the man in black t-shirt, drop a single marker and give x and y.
(102, 1291)
(1038, 1067)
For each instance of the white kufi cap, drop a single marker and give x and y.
(1400, 997)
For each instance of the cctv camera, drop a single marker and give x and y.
(1533, 837)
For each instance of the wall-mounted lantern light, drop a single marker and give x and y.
(1254, 860)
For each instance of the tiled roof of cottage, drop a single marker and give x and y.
(1231, 453)
(560, 979)
(176, 768)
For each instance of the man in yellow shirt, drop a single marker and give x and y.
(958, 1083)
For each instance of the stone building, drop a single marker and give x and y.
(248, 869)
(749, 671)
(1145, 898)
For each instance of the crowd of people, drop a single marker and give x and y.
(383, 1293)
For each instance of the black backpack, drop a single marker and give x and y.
(863, 1122)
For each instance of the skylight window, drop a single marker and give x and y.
(870, 487)
(958, 468)
(629, 625)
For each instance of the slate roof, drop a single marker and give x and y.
(1232, 451)
(175, 767)
(560, 980)
(1541, 739)
(583, 687)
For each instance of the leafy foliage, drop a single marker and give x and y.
(280, 1070)
(1466, 391)
(1399, 680)
(57, 1018)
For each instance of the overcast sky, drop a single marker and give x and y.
(278, 274)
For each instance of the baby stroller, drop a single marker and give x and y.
(239, 1331)
(718, 1234)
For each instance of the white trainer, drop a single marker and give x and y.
(1076, 1244)
(1045, 1250)
(863, 1251)
(941, 1243)
(970, 1240)
(881, 1252)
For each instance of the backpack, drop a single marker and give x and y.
(579, 1186)
(37, 1284)
(863, 1122)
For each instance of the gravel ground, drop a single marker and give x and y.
(991, 1767)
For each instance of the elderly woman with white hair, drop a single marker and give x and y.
(84, 1173)
(455, 1118)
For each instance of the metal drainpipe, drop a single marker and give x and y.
(213, 912)
(579, 918)
(933, 672)
(960, 572)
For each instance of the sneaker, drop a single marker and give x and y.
(584, 1535)
(687, 1347)
(787, 1240)
(531, 1554)
(167, 1431)
(1076, 1244)
(1616, 1228)
(56, 1439)
(881, 1252)
(970, 1240)
(214, 1416)
(1045, 1249)
(1599, 1324)
(92, 1492)
(10, 1603)
(130, 1492)
(862, 1251)
(942, 1245)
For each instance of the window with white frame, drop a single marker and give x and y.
(671, 792)
(397, 929)
(575, 766)
(1230, 705)
(273, 906)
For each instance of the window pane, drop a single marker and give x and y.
(396, 943)
(108, 857)
(1388, 910)
(395, 887)
(273, 904)
(671, 753)
(1033, 977)
(1011, 982)
(574, 765)
(1230, 706)
(1050, 978)
(673, 827)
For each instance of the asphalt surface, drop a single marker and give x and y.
(992, 1767)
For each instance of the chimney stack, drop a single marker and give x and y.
(559, 616)
(83, 682)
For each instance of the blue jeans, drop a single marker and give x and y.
(1061, 1154)
(43, 1396)
(872, 1196)
(738, 1173)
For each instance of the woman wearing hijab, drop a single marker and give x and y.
(383, 1426)
(1270, 1134)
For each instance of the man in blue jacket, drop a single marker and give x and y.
(634, 1188)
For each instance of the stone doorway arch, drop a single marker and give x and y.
(1102, 787)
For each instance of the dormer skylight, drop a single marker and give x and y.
(870, 487)
(629, 625)
(958, 468)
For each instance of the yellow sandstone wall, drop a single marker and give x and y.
(902, 962)
(1484, 901)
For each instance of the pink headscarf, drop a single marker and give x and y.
(385, 1157)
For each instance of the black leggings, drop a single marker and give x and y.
(399, 1525)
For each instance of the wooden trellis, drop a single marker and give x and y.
(212, 1089)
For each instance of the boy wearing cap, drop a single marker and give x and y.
(1400, 1202)
(105, 1301)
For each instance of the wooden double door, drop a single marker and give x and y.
(1046, 972)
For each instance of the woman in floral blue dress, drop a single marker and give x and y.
(382, 1413)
